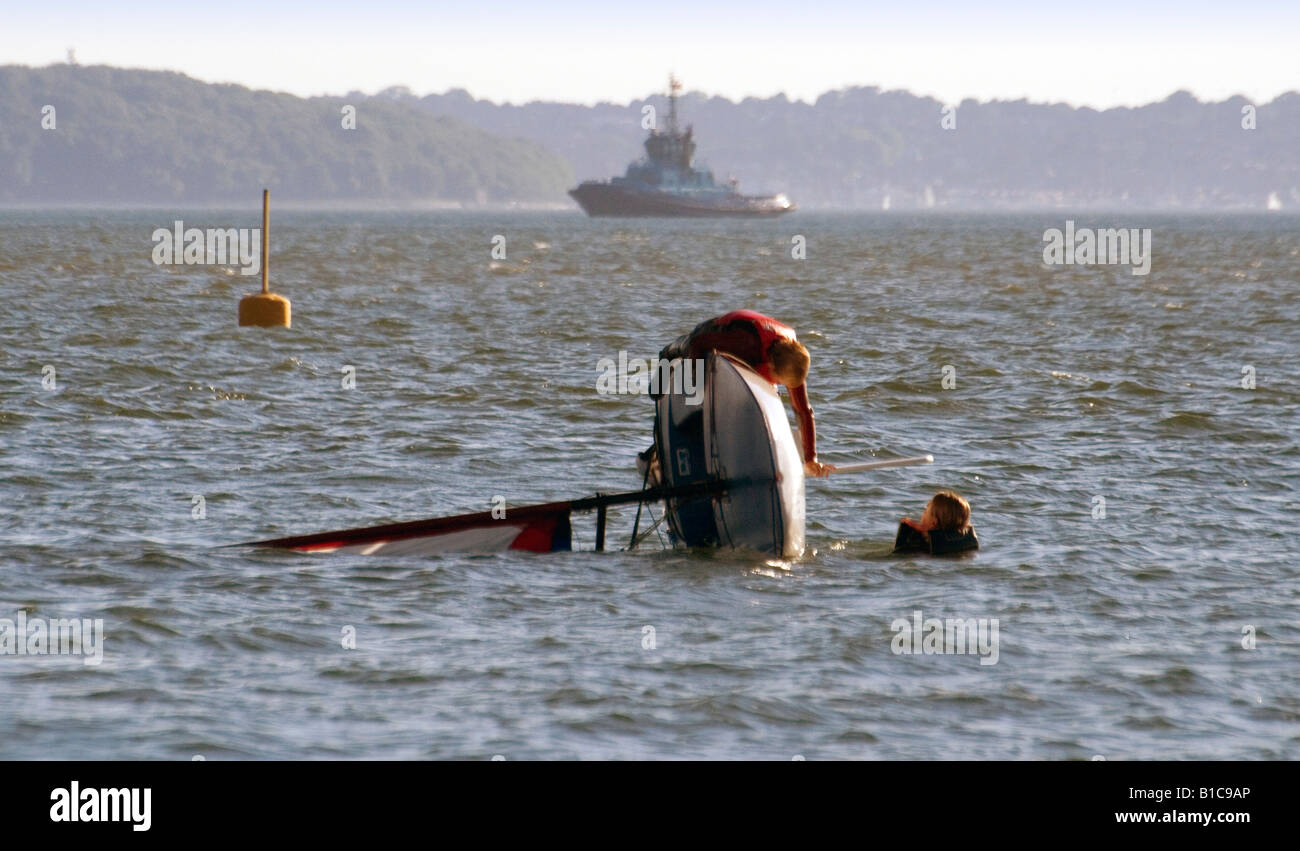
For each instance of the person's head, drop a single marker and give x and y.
(789, 362)
(947, 511)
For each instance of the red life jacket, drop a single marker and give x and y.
(745, 334)
(769, 331)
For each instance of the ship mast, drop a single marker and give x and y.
(673, 88)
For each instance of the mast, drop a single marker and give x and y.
(673, 88)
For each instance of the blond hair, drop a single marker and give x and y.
(789, 360)
(951, 513)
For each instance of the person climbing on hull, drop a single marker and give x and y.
(771, 349)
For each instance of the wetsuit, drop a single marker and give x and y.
(747, 335)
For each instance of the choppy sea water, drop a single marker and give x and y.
(1122, 633)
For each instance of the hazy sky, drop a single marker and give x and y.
(1094, 52)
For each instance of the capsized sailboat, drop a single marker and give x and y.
(736, 481)
(732, 478)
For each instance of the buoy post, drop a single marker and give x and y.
(265, 309)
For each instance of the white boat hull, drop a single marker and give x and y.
(743, 436)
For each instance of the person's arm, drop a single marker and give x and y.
(807, 431)
(807, 427)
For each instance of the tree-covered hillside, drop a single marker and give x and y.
(146, 136)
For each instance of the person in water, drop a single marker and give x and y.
(944, 528)
(770, 348)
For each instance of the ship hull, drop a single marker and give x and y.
(607, 199)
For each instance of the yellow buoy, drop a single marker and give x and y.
(265, 309)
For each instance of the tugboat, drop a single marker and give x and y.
(666, 183)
